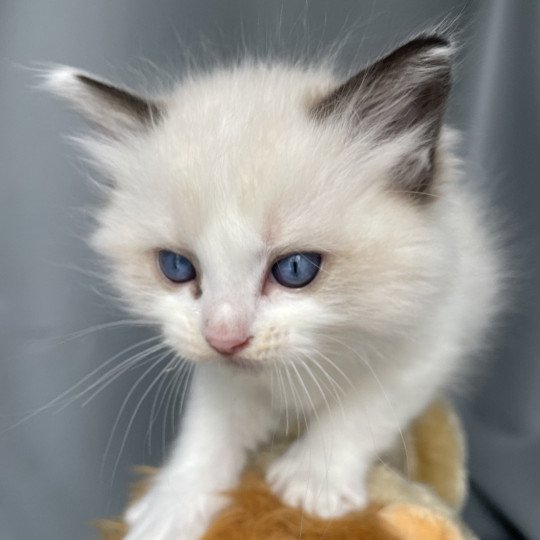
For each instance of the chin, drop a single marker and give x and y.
(241, 363)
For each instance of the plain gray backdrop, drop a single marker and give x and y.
(58, 470)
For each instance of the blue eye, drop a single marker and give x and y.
(297, 270)
(176, 267)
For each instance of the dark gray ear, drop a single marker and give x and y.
(112, 109)
(405, 91)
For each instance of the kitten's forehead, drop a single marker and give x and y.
(248, 92)
(236, 128)
(231, 235)
(246, 137)
(238, 156)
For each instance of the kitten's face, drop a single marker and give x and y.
(240, 172)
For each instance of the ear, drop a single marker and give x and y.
(111, 109)
(403, 93)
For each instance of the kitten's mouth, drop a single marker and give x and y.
(239, 362)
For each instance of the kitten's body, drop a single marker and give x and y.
(245, 165)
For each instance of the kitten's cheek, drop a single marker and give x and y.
(184, 344)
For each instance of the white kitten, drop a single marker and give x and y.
(309, 246)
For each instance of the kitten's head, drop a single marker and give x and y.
(265, 212)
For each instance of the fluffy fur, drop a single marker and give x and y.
(240, 166)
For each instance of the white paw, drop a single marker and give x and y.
(166, 514)
(315, 489)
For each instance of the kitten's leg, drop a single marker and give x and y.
(325, 471)
(224, 419)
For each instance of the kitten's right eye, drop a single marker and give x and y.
(176, 267)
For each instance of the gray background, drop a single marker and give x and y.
(55, 473)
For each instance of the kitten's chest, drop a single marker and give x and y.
(299, 393)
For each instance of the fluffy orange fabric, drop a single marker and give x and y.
(256, 513)
(417, 523)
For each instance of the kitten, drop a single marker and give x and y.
(309, 245)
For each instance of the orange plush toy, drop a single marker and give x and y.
(418, 502)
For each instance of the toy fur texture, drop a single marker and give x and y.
(419, 502)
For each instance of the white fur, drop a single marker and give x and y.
(236, 174)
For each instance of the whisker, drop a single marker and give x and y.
(384, 393)
(158, 393)
(182, 385)
(297, 402)
(272, 391)
(306, 391)
(338, 369)
(65, 393)
(284, 398)
(171, 392)
(181, 380)
(334, 385)
(97, 328)
(317, 384)
(115, 372)
(136, 410)
(116, 367)
(117, 420)
(337, 389)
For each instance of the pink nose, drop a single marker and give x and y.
(226, 344)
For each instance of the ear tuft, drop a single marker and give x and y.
(113, 110)
(61, 80)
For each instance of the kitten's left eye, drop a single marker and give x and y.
(297, 270)
(176, 267)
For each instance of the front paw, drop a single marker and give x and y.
(316, 488)
(165, 514)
